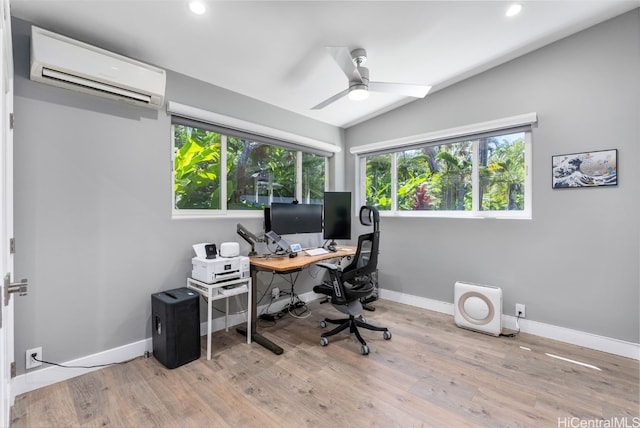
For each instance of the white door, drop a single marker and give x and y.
(6, 212)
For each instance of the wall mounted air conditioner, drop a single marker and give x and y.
(62, 61)
(478, 307)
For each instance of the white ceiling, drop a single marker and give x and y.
(274, 51)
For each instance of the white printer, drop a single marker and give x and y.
(220, 269)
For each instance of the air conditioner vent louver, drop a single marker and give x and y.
(64, 62)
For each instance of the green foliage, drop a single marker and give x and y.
(251, 168)
(312, 177)
(251, 164)
(378, 181)
(502, 180)
(196, 168)
(439, 177)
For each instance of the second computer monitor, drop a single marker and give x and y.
(337, 215)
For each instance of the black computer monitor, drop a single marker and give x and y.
(337, 215)
(287, 219)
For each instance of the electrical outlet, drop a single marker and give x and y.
(275, 293)
(30, 362)
(520, 309)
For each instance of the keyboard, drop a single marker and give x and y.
(316, 251)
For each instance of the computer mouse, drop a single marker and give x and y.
(332, 248)
(292, 255)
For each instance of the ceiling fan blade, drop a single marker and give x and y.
(330, 100)
(342, 57)
(406, 89)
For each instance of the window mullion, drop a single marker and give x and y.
(173, 167)
(298, 193)
(394, 182)
(327, 179)
(475, 178)
(361, 177)
(528, 180)
(223, 173)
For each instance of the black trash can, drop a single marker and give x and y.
(175, 321)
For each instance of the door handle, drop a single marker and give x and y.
(14, 287)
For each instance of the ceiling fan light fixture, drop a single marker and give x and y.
(358, 92)
(350, 62)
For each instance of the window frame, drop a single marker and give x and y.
(520, 123)
(262, 134)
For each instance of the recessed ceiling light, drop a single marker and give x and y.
(514, 9)
(197, 7)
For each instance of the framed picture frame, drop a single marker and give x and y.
(587, 169)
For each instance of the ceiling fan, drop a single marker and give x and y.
(359, 84)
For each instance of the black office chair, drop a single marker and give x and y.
(352, 283)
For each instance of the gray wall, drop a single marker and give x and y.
(576, 264)
(95, 235)
(93, 209)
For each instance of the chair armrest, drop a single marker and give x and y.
(330, 266)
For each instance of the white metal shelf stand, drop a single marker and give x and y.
(222, 290)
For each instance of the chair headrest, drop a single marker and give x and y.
(370, 216)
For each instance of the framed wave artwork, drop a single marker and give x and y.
(589, 169)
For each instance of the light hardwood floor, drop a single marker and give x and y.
(430, 374)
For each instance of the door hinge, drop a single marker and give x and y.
(11, 120)
(13, 370)
(12, 245)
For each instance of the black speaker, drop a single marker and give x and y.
(175, 321)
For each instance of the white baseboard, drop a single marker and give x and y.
(35, 379)
(575, 337)
(40, 378)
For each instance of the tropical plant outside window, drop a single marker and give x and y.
(502, 171)
(442, 177)
(259, 174)
(196, 168)
(378, 181)
(256, 174)
(313, 167)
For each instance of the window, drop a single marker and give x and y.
(256, 174)
(501, 169)
(257, 170)
(196, 168)
(313, 181)
(483, 174)
(259, 174)
(378, 181)
(435, 178)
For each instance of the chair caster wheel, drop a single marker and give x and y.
(323, 324)
(364, 350)
(324, 341)
(386, 335)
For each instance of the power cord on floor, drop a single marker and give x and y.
(517, 326)
(34, 356)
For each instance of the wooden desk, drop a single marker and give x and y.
(282, 265)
